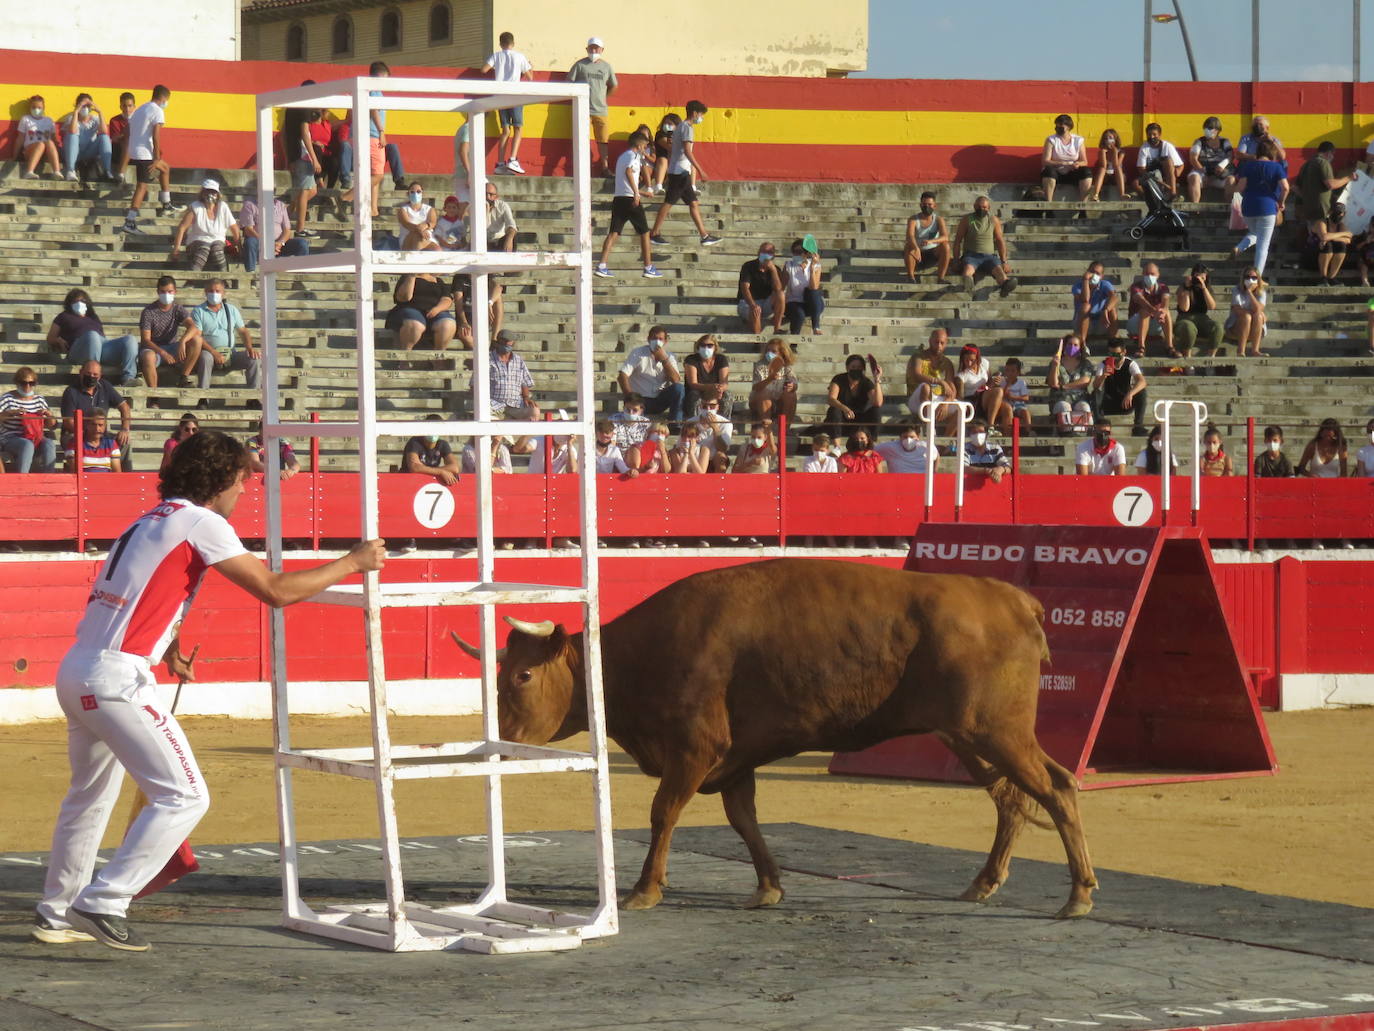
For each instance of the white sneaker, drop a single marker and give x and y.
(513, 166)
(70, 176)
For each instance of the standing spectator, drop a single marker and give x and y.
(500, 455)
(462, 169)
(631, 429)
(760, 294)
(802, 286)
(1095, 300)
(421, 304)
(927, 241)
(601, 82)
(714, 434)
(1147, 462)
(303, 160)
(86, 140)
(257, 455)
(1332, 240)
(1211, 157)
(1249, 320)
(909, 453)
(99, 451)
(757, 454)
(1248, 147)
(930, 377)
(982, 249)
(157, 327)
(90, 393)
(982, 458)
(651, 372)
(448, 228)
(684, 175)
(24, 418)
(854, 400)
(1326, 455)
(1272, 462)
(431, 456)
(145, 151)
(1064, 159)
(663, 147)
(1364, 458)
(187, 427)
(1316, 183)
(35, 141)
(338, 153)
(1013, 404)
(775, 384)
(1158, 159)
(78, 333)
(1101, 456)
(205, 227)
(285, 243)
(417, 221)
(511, 381)
(626, 206)
(1071, 385)
(509, 65)
(606, 455)
(1195, 303)
(707, 375)
(501, 227)
(379, 151)
(1148, 314)
(1215, 460)
(1263, 189)
(859, 456)
(1110, 161)
(221, 325)
(1120, 387)
(820, 460)
(119, 133)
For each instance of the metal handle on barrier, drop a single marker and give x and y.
(1163, 409)
(926, 412)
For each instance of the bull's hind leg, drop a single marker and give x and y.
(1010, 817)
(680, 781)
(738, 797)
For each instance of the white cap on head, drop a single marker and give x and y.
(595, 41)
(210, 184)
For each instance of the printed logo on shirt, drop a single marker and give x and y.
(88, 702)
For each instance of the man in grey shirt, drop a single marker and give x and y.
(601, 83)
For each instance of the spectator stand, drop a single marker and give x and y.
(491, 923)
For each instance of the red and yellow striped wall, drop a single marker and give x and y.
(846, 130)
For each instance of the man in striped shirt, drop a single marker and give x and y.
(99, 450)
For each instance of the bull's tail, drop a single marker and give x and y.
(1005, 793)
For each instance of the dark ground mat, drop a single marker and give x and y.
(869, 936)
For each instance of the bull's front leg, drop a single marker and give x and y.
(678, 784)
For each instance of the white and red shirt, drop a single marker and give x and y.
(145, 588)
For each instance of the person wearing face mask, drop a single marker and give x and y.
(1262, 182)
(78, 333)
(416, 221)
(1147, 462)
(1212, 159)
(714, 434)
(1120, 387)
(1148, 314)
(221, 325)
(144, 149)
(1249, 319)
(684, 174)
(205, 228)
(707, 374)
(820, 460)
(627, 206)
(606, 455)
(651, 371)
(89, 393)
(631, 429)
(774, 392)
(511, 385)
(982, 249)
(1272, 462)
(908, 453)
(564, 451)
(1110, 161)
(663, 148)
(35, 141)
(119, 134)
(500, 456)
(157, 326)
(86, 140)
(285, 243)
(1195, 304)
(1095, 302)
(801, 278)
(1101, 455)
(1157, 159)
(982, 458)
(501, 227)
(760, 294)
(509, 65)
(601, 82)
(1215, 460)
(1064, 160)
(1333, 240)
(24, 420)
(1248, 147)
(854, 400)
(927, 241)
(859, 456)
(257, 455)
(757, 454)
(1070, 381)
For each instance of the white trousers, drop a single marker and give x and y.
(116, 722)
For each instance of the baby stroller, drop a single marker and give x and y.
(1160, 218)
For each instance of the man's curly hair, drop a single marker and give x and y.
(202, 466)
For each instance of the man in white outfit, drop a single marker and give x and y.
(116, 720)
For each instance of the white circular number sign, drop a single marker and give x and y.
(433, 506)
(1133, 506)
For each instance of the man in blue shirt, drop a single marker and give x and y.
(220, 324)
(1095, 301)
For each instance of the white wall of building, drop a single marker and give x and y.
(140, 28)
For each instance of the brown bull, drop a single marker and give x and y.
(728, 670)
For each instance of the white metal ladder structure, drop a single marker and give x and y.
(1163, 410)
(491, 923)
(927, 414)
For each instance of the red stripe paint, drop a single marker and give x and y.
(173, 581)
(1336, 1022)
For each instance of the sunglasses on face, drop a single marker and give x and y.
(28, 382)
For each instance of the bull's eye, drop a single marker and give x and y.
(523, 677)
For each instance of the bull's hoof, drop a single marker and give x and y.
(1074, 908)
(979, 891)
(641, 899)
(763, 897)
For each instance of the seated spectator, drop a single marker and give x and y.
(1248, 147)
(1110, 161)
(564, 452)
(1195, 303)
(854, 400)
(157, 327)
(651, 454)
(972, 377)
(663, 147)
(221, 325)
(86, 141)
(187, 426)
(759, 453)
(1101, 456)
(1332, 240)
(981, 249)
(284, 242)
(631, 429)
(461, 292)
(1215, 460)
(431, 455)
(689, 455)
(144, 149)
(820, 460)
(90, 393)
(651, 372)
(422, 305)
(1120, 387)
(1248, 321)
(707, 375)
(1008, 398)
(1148, 314)
(1272, 462)
(1071, 386)
(1094, 303)
(303, 160)
(1064, 160)
(500, 455)
(1263, 186)
(982, 458)
(927, 241)
(24, 420)
(1364, 458)
(859, 456)
(1210, 160)
(417, 221)
(119, 133)
(78, 333)
(257, 455)
(338, 156)
(1326, 456)
(205, 227)
(511, 384)
(501, 227)
(760, 294)
(908, 453)
(627, 206)
(99, 451)
(1147, 462)
(775, 384)
(1158, 159)
(35, 141)
(448, 227)
(714, 433)
(607, 456)
(930, 377)
(802, 287)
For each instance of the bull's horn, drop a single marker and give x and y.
(474, 652)
(544, 629)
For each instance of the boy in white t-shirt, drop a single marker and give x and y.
(36, 141)
(1364, 459)
(627, 207)
(821, 460)
(144, 149)
(607, 456)
(509, 65)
